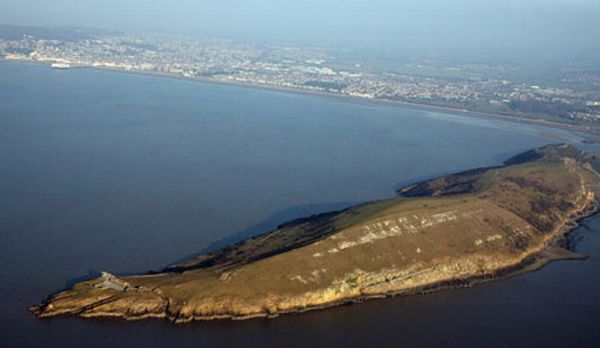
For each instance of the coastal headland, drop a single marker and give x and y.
(452, 231)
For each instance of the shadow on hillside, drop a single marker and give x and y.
(500, 159)
(269, 224)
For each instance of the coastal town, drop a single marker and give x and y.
(574, 99)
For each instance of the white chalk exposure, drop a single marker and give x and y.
(397, 227)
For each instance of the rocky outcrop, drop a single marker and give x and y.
(456, 231)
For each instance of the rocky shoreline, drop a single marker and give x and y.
(520, 238)
(555, 250)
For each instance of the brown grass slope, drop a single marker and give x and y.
(473, 225)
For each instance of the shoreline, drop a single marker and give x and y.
(546, 251)
(589, 130)
(557, 248)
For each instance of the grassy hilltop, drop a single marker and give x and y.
(453, 230)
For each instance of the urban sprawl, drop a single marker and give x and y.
(313, 69)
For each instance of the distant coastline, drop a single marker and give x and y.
(590, 134)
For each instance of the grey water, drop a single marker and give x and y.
(127, 173)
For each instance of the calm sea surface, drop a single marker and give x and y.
(124, 173)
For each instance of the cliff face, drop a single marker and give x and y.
(472, 225)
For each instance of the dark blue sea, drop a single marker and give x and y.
(127, 173)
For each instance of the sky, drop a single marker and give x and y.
(507, 28)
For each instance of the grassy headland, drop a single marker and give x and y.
(451, 231)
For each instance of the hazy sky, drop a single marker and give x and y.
(488, 27)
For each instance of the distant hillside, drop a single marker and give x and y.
(18, 32)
